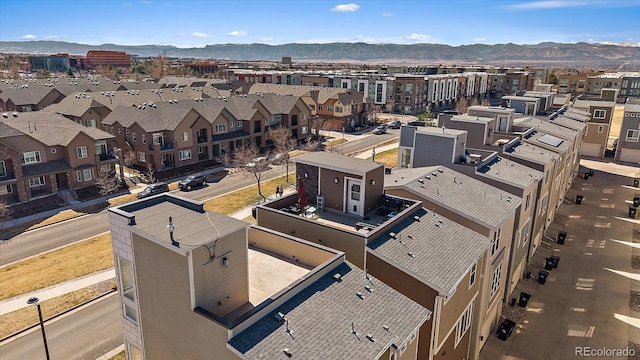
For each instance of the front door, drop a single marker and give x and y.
(353, 196)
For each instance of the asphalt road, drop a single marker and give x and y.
(86, 333)
(50, 237)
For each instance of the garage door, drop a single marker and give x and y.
(630, 155)
(589, 149)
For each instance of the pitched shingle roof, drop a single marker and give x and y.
(26, 96)
(531, 152)
(506, 171)
(347, 164)
(455, 191)
(320, 319)
(433, 249)
(548, 127)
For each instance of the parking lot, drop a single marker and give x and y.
(590, 304)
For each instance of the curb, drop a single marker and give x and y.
(57, 315)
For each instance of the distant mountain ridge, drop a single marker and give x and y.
(360, 52)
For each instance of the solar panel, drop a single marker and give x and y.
(550, 140)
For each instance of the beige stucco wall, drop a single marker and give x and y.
(288, 248)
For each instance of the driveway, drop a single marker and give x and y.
(589, 304)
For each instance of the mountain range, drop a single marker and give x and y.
(546, 52)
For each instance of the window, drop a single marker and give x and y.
(79, 175)
(119, 131)
(30, 157)
(185, 154)
(338, 109)
(239, 124)
(546, 176)
(231, 124)
(91, 123)
(144, 138)
(3, 169)
(543, 204)
(472, 276)
(304, 130)
(127, 132)
(633, 135)
(6, 189)
(87, 173)
(312, 106)
(221, 127)
(133, 136)
(127, 284)
(600, 129)
(526, 202)
(157, 139)
(329, 108)
(495, 281)
(185, 136)
(495, 243)
(142, 156)
(81, 151)
(599, 114)
(319, 107)
(525, 232)
(464, 323)
(36, 181)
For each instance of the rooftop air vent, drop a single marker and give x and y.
(359, 294)
(370, 337)
(338, 277)
(279, 317)
(411, 254)
(416, 218)
(392, 234)
(368, 288)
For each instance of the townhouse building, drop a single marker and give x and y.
(514, 81)
(28, 97)
(240, 291)
(43, 153)
(598, 125)
(628, 147)
(479, 207)
(442, 90)
(179, 133)
(630, 85)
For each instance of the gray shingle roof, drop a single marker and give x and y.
(347, 164)
(535, 136)
(462, 194)
(27, 96)
(443, 251)
(320, 318)
(548, 127)
(510, 172)
(74, 106)
(50, 128)
(531, 152)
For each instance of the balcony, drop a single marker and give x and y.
(167, 146)
(202, 139)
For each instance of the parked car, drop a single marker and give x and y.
(395, 124)
(153, 189)
(192, 181)
(379, 130)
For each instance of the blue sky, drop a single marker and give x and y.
(189, 23)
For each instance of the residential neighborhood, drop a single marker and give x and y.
(167, 207)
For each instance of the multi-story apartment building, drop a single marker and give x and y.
(574, 84)
(628, 148)
(51, 63)
(515, 81)
(442, 90)
(597, 83)
(96, 59)
(630, 85)
(598, 125)
(409, 94)
(239, 291)
(43, 153)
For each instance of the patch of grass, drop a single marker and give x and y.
(173, 186)
(238, 200)
(61, 216)
(389, 158)
(335, 142)
(119, 356)
(616, 121)
(122, 199)
(250, 220)
(69, 263)
(20, 319)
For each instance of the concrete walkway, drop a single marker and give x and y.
(19, 302)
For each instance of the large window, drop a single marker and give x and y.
(495, 281)
(464, 323)
(91, 123)
(30, 157)
(633, 135)
(472, 275)
(599, 114)
(6, 189)
(221, 128)
(495, 243)
(525, 233)
(3, 169)
(185, 154)
(36, 181)
(142, 157)
(185, 136)
(128, 289)
(81, 151)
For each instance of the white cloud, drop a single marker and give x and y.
(549, 4)
(28, 37)
(200, 34)
(419, 38)
(55, 37)
(237, 33)
(387, 14)
(346, 8)
(477, 40)
(268, 38)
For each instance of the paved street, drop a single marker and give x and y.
(585, 301)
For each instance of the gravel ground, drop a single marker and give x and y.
(635, 262)
(634, 301)
(104, 286)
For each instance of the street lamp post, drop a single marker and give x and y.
(373, 153)
(35, 301)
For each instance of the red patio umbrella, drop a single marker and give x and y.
(303, 201)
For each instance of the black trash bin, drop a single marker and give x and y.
(542, 276)
(548, 263)
(579, 199)
(585, 176)
(591, 172)
(632, 211)
(513, 302)
(636, 201)
(253, 212)
(555, 259)
(524, 299)
(636, 182)
(562, 236)
(505, 329)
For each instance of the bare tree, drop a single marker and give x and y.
(485, 102)
(312, 145)
(129, 158)
(462, 105)
(158, 66)
(107, 183)
(254, 163)
(283, 142)
(151, 173)
(5, 213)
(474, 101)
(317, 123)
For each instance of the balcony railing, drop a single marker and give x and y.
(202, 139)
(166, 146)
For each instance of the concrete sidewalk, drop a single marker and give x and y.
(379, 149)
(19, 302)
